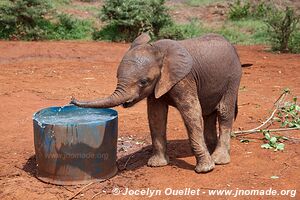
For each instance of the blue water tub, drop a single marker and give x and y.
(75, 145)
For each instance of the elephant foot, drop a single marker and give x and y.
(205, 166)
(158, 161)
(221, 156)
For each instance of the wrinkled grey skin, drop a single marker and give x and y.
(200, 77)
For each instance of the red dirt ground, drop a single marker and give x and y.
(35, 75)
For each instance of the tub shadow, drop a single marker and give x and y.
(30, 166)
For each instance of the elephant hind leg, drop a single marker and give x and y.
(226, 114)
(210, 131)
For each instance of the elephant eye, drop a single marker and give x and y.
(143, 82)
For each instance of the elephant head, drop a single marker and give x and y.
(146, 69)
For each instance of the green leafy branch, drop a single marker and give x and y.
(285, 112)
(288, 114)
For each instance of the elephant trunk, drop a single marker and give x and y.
(116, 98)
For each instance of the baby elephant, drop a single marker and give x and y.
(200, 77)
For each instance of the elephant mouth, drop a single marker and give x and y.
(131, 102)
(128, 104)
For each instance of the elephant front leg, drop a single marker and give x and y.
(194, 123)
(157, 116)
(189, 107)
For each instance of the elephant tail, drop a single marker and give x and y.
(236, 110)
(236, 105)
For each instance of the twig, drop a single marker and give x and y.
(128, 160)
(265, 122)
(293, 139)
(242, 133)
(95, 195)
(84, 187)
(277, 104)
(81, 189)
(270, 130)
(67, 188)
(98, 193)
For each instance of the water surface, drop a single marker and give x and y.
(73, 115)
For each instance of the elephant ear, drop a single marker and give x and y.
(177, 63)
(142, 39)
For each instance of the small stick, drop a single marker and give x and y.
(277, 103)
(81, 189)
(128, 161)
(270, 130)
(95, 195)
(84, 187)
(293, 139)
(67, 188)
(265, 122)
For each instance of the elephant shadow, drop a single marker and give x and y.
(177, 149)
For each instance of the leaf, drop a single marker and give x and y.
(276, 119)
(280, 147)
(292, 107)
(295, 99)
(266, 146)
(267, 136)
(292, 125)
(273, 140)
(283, 124)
